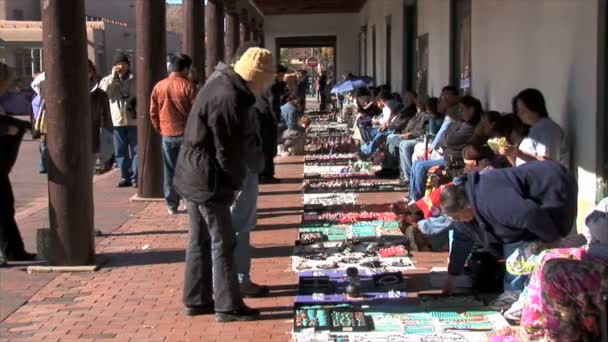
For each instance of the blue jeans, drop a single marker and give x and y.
(368, 133)
(406, 150)
(170, 152)
(513, 282)
(391, 152)
(373, 146)
(125, 149)
(43, 158)
(418, 177)
(244, 220)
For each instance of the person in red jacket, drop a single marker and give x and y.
(170, 104)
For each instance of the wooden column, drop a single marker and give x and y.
(214, 26)
(231, 38)
(254, 30)
(70, 185)
(261, 35)
(245, 33)
(151, 67)
(193, 36)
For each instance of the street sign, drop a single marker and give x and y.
(312, 62)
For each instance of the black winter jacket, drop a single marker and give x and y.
(211, 163)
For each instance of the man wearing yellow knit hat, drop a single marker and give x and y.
(209, 173)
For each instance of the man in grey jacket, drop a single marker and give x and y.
(120, 87)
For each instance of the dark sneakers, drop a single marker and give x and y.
(243, 314)
(124, 183)
(22, 256)
(199, 310)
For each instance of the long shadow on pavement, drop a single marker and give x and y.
(272, 252)
(280, 193)
(276, 312)
(152, 257)
(264, 210)
(150, 232)
(277, 226)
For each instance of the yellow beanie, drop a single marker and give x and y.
(255, 66)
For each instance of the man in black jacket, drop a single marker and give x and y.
(269, 120)
(210, 172)
(11, 243)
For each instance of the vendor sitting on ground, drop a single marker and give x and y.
(563, 300)
(367, 109)
(291, 131)
(397, 115)
(370, 123)
(501, 209)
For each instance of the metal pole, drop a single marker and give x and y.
(69, 127)
(151, 68)
(232, 30)
(214, 26)
(193, 36)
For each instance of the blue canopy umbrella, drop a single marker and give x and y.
(349, 85)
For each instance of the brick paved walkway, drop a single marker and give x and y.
(137, 296)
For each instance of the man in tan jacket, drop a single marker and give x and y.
(120, 87)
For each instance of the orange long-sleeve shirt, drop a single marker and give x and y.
(170, 104)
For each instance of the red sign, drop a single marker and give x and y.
(312, 62)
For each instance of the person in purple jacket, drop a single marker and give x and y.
(501, 209)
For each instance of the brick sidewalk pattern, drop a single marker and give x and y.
(137, 295)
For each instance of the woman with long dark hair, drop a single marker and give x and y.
(545, 140)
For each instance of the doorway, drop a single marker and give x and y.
(295, 51)
(460, 61)
(317, 55)
(410, 47)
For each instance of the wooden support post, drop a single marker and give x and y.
(214, 26)
(254, 30)
(151, 59)
(193, 36)
(245, 34)
(231, 39)
(261, 35)
(68, 117)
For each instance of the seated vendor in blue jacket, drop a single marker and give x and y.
(500, 209)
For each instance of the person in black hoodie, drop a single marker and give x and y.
(268, 124)
(209, 174)
(11, 134)
(499, 209)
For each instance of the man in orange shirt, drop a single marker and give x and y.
(170, 104)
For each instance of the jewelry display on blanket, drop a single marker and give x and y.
(329, 199)
(330, 157)
(357, 256)
(349, 185)
(311, 318)
(348, 321)
(309, 238)
(330, 145)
